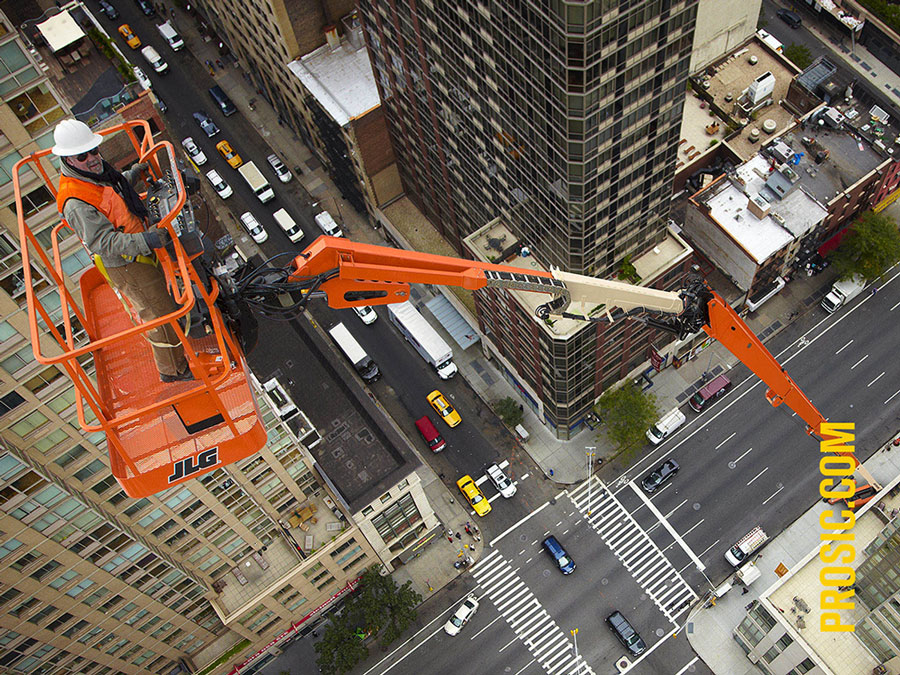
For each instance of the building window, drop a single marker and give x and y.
(771, 655)
(397, 518)
(366, 511)
(784, 642)
(386, 497)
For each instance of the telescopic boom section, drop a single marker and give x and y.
(353, 274)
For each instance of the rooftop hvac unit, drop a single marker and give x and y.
(781, 152)
(758, 206)
(761, 88)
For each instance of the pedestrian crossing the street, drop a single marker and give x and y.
(547, 642)
(634, 548)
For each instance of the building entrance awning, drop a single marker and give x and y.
(453, 322)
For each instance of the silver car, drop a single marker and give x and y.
(501, 481)
(283, 173)
(222, 188)
(462, 615)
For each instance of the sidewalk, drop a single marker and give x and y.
(710, 630)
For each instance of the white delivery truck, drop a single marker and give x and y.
(362, 362)
(666, 425)
(257, 182)
(327, 225)
(289, 225)
(747, 545)
(425, 339)
(170, 36)
(843, 292)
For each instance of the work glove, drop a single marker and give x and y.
(157, 238)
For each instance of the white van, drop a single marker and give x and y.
(290, 227)
(173, 38)
(154, 59)
(327, 225)
(748, 544)
(669, 423)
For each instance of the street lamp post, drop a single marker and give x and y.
(574, 632)
(590, 455)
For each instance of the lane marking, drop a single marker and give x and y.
(858, 362)
(524, 476)
(543, 506)
(758, 475)
(893, 395)
(669, 528)
(894, 307)
(486, 627)
(773, 494)
(742, 456)
(706, 550)
(876, 379)
(733, 434)
(683, 670)
(526, 665)
(843, 348)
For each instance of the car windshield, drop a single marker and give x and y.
(737, 553)
(654, 478)
(697, 398)
(456, 621)
(564, 561)
(476, 498)
(632, 639)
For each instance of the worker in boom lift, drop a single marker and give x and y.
(106, 212)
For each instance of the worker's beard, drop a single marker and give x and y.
(112, 177)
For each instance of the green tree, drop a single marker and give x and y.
(340, 650)
(869, 248)
(799, 55)
(383, 605)
(627, 413)
(509, 411)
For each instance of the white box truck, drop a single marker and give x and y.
(425, 339)
(748, 544)
(257, 182)
(843, 292)
(362, 362)
(170, 36)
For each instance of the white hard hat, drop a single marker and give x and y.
(72, 137)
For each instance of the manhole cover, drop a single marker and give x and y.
(523, 537)
(546, 573)
(604, 582)
(660, 632)
(696, 506)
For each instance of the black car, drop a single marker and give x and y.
(659, 476)
(208, 126)
(627, 635)
(146, 7)
(792, 19)
(110, 11)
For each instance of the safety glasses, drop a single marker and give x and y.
(84, 155)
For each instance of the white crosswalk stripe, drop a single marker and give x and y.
(547, 642)
(634, 548)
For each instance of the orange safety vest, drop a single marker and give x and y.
(102, 197)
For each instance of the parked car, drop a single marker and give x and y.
(627, 635)
(659, 476)
(254, 229)
(501, 481)
(462, 615)
(283, 173)
(713, 390)
(220, 186)
(475, 496)
(562, 559)
(146, 7)
(110, 11)
(430, 435)
(443, 408)
(142, 79)
(162, 105)
(193, 151)
(128, 35)
(792, 19)
(366, 314)
(206, 123)
(234, 160)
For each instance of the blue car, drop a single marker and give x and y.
(558, 553)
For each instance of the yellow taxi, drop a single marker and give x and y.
(128, 35)
(225, 149)
(475, 496)
(443, 408)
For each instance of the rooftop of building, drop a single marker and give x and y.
(495, 242)
(729, 205)
(340, 78)
(796, 595)
(850, 155)
(727, 78)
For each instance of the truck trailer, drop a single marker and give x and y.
(425, 339)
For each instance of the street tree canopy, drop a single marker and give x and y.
(627, 413)
(509, 411)
(383, 604)
(870, 247)
(340, 649)
(799, 55)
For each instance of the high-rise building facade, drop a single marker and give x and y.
(569, 109)
(561, 118)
